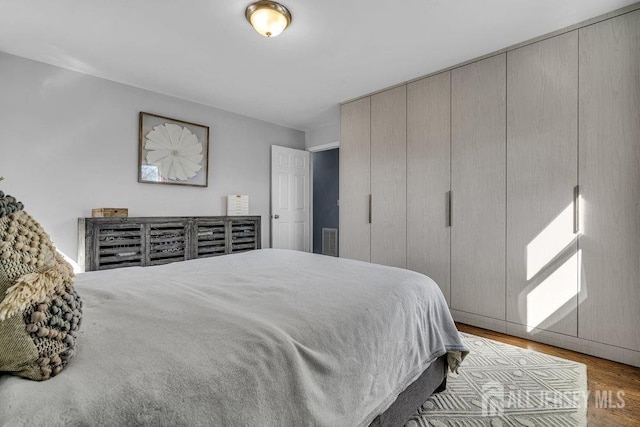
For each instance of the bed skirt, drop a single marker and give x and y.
(432, 380)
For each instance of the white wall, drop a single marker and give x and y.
(69, 143)
(325, 131)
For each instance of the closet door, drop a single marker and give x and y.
(610, 181)
(478, 103)
(428, 178)
(389, 177)
(542, 171)
(355, 182)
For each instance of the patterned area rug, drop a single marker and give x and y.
(504, 385)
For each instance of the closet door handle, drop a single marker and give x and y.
(369, 208)
(449, 209)
(576, 210)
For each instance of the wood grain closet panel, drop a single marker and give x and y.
(478, 127)
(428, 178)
(355, 182)
(542, 171)
(609, 174)
(389, 177)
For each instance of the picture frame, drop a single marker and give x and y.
(172, 151)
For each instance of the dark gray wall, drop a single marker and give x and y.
(325, 194)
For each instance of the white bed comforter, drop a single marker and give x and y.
(263, 338)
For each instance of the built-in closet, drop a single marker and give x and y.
(514, 182)
(429, 178)
(373, 179)
(389, 177)
(355, 180)
(609, 176)
(542, 175)
(478, 99)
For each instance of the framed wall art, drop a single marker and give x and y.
(172, 151)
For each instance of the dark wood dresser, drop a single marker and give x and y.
(105, 243)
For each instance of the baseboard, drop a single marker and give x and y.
(581, 345)
(479, 321)
(592, 348)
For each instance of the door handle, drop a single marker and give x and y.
(449, 209)
(276, 216)
(576, 209)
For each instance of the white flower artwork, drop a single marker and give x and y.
(175, 151)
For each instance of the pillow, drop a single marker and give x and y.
(40, 312)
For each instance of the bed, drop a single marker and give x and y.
(262, 338)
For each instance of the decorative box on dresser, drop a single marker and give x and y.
(105, 243)
(522, 186)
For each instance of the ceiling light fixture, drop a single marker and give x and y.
(268, 17)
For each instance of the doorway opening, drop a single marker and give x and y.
(325, 201)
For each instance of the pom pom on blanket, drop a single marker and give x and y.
(40, 312)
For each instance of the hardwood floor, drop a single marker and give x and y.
(602, 376)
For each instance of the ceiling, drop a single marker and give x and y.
(334, 50)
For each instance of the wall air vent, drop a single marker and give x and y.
(330, 241)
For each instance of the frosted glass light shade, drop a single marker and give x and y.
(268, 17)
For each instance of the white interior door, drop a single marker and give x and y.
(290, 219)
